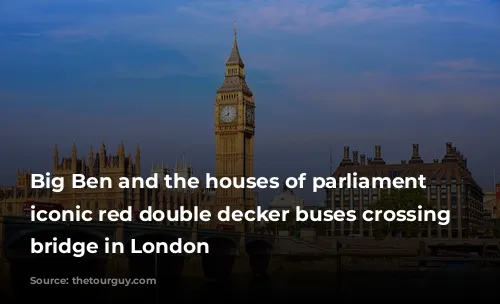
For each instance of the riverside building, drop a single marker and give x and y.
(449, 185)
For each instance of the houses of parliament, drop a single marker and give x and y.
(234, 131)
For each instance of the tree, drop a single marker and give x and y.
(400, 199)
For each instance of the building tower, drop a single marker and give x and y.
(234, 133)
(161, 171)
(98, 165)
(183, 169)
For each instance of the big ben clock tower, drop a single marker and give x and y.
(234, 132)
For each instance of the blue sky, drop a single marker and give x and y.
(324, 73)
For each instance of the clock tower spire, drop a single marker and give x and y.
(235, 71)
(234, 136)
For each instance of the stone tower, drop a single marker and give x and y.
(183, 169)
(234, 135)
(161, 171)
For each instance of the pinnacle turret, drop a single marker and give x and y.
(234, 80)
(234, 56)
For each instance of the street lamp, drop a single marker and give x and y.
(157, 288)
(156, 279)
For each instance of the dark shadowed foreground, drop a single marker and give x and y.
(445, 285)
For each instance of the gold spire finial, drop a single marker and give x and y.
(235, 30)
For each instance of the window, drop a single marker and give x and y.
(394, 173)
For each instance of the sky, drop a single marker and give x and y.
(324, 74)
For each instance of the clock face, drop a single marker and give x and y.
(228, 114)
(249, 115)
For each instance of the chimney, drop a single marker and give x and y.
(455, 154)
(346, 152)
(459, 158)
(355, 157)
(415, 158)
(497, 190)
(369, 159)
(346, 160)
(363, 159)
(378, 160)
(435, 160)
(450, 154)
(377, 151)
(449, 148)
(415, 151)
(403, 161)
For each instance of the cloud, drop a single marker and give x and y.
(26, 34)
(466, 68)
(199, 14)
(459, 64)
(304, 15)
(379, 92)
(355, 62)
(152, 72)
(162, 21)
(77, 33)
(462, 75)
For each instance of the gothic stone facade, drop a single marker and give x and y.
(102, 164)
